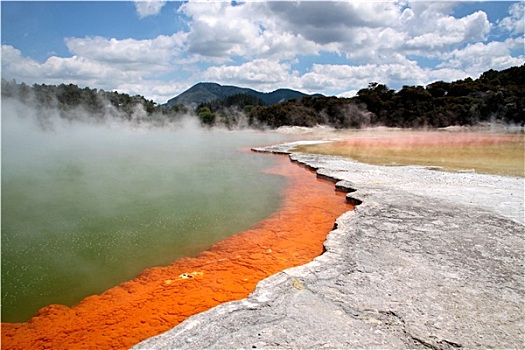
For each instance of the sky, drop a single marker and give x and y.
(159, 49)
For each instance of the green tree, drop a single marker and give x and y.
(206, 116)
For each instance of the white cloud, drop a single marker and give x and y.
(262, 44)
(373, 32)
(431, 9)
(515, 22)
(219, 31)
(479, 57)
(59, 70)
(343, 77)
(445, 74)
(146, 55)
(86, 72)
(348, 94)
(448, 31)
(328, 22)
(157, 90)
(362, 31)
(331, 79)
(148, 7)
(260, 73)
(15, 66)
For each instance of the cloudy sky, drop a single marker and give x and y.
(159, 49)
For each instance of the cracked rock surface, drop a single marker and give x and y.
(427, 260)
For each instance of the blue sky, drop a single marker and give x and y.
(159, 49)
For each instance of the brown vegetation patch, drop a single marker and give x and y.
(490, 153)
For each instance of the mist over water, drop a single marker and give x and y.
(87, 206)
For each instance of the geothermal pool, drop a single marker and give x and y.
(86, 207)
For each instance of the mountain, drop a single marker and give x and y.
(207, 92)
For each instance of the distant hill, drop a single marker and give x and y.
(207, 92)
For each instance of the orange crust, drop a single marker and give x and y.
(162, 297)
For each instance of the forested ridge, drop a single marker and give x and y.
(496, 96)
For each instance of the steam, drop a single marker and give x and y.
(90, 202)
(49, 116)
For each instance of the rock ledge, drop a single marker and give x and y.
(429, 260)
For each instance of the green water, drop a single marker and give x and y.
(86, 207)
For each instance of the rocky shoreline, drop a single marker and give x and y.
(429, 260)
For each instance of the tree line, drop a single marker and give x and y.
(496, 96)
(230, 112)
(72, 102)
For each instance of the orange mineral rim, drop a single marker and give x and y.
(162, 297)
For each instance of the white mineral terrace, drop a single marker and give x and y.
(429, 259)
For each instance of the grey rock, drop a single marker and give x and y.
(427, 260)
